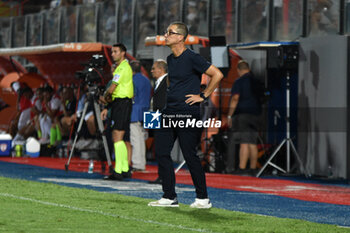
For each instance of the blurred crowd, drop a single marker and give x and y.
(58, 3)
(49, 115)
(43, 113)
(52, 116)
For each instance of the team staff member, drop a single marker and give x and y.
(245, 110)
(185, 69)
(141, 101)
(119, 95)
(160, 73)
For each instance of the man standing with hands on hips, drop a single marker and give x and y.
(185, 69)
(119, 96)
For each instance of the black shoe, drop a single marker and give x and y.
(51, 150)
(127, 174)
(114, 176)
(229, 171)
(243, 172)
(156, 181)
(253, 172)
(137, 170)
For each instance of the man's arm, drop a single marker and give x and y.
(231, 108)
(108, 94)
(35, 110)
(107, 98)
(50, 111)
(215, 76)
(112, 88)
(102, 100)
(233, 104)
(104, 113)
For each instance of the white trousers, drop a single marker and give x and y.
(24, 118)
(138, 135)
(45, 126)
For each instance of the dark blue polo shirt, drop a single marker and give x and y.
(185, 73)
(248, 98)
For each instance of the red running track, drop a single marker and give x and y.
(281, 187)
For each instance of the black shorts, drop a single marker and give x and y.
(126, 137)
(245, 128)
(121, 114)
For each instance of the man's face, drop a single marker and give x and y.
(156, 71)
(39, 94)
(47, 96)
(172, 36)
(239, 72)
(67, 93)
(117, 54)
(28, 94)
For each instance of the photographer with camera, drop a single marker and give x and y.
(119, 98)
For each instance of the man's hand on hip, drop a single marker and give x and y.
(192, 99)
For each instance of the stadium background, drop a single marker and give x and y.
(30, 23)
(320, 26)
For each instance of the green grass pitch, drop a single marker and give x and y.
(28, 206)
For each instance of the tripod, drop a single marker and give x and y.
(91, 99)
(288, 141)
(205, 154)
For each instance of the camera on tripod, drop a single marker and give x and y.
(92, 77)
(93, 71)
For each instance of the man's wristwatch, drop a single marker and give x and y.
(203, 96)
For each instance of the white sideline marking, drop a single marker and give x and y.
(346, 227)
(129, 186)
(102, 213)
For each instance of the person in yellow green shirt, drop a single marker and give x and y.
(119, 96)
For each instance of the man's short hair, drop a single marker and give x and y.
(40, 89)
(135, 66)
(120, 46)
(162, 65)
(181, 28)
(27, 89)
(48, 89)
(243, 65)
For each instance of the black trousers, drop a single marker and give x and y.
(188, 140)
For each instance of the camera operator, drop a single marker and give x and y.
(119, 96)
(89, 116)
